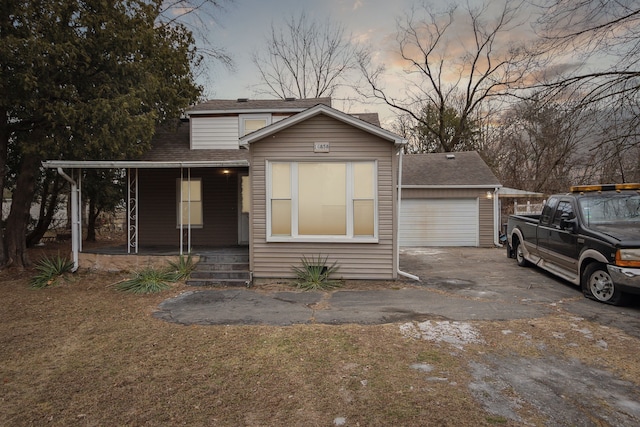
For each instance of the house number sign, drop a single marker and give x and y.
(321, 147)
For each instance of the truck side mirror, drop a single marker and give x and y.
(568, 222)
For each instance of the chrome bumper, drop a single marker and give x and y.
(628, 278)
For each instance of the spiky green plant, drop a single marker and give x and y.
(315, 274)
(146, 281)
(182, 268)
(50, 270)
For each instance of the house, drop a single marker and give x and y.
(448, 199)
(282, 178)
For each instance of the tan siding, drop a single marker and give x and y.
(356, 261)
(157, 193)
(486, 223)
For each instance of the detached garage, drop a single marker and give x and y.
(448, 199)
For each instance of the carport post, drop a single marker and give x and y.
(76, 231)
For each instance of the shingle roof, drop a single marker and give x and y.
(172, 144)
(221, 105)
(465, 168)
(371, 118)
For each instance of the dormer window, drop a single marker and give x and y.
(252, 122)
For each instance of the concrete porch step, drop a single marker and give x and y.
(220, 274)
(224, 258)
(228, 267)
(218, 282)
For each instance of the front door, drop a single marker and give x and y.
(243, 209)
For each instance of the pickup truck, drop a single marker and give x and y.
(590, 237)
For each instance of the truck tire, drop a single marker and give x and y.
(597, 285)
(519, 254)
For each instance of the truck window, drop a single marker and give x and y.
(564, 207)
(547, 211)
(611, 208)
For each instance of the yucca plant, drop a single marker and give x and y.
(182, 268)
(315, 274)
(50, 270)
(147, 281)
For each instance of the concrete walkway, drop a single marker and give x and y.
(245, 306)
(455, 284)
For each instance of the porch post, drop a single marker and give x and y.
(181, 213)
(80, 210)
(132, 211)
(75, 236)
(189, 213)
(180, 187)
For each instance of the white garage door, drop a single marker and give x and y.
(439, 222)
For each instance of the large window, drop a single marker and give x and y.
(190, 202)
(321, 201)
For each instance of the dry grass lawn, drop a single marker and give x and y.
(82, 353)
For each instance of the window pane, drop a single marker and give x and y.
(195, 194)
(281, 217)
(251, 125)
(280, 181)
(363, 187)
(196, 213)
(363, 215)
(190, 201)
(245, 189)
(322, 206)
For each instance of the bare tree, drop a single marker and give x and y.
(305, 59)
(197, 16)
(603, 38)
(542, 146)
(451, 66)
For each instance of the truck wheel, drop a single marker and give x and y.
(597, 285)
(522, 262)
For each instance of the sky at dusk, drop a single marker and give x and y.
(244, 24)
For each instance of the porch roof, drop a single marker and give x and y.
(107, 164)
(169, 149)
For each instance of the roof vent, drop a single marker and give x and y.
(289, 99)
(451, 156)
(243, 99)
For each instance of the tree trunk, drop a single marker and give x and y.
(16, 229)
(48, 205)
(4, 147)
(91, 220)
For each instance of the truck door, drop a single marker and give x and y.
(543, 229)
(562, 238)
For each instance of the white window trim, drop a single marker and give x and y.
(243, 117)
(295, 237)
(179, 204)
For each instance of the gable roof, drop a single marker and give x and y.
(328, 111)
(244, 105)
(460, 169)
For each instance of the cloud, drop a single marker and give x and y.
(357, 4)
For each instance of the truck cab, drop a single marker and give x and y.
(589, 236)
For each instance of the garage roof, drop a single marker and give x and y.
(459, 170)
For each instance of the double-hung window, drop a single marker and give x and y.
(190, 202)
(322, 201)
